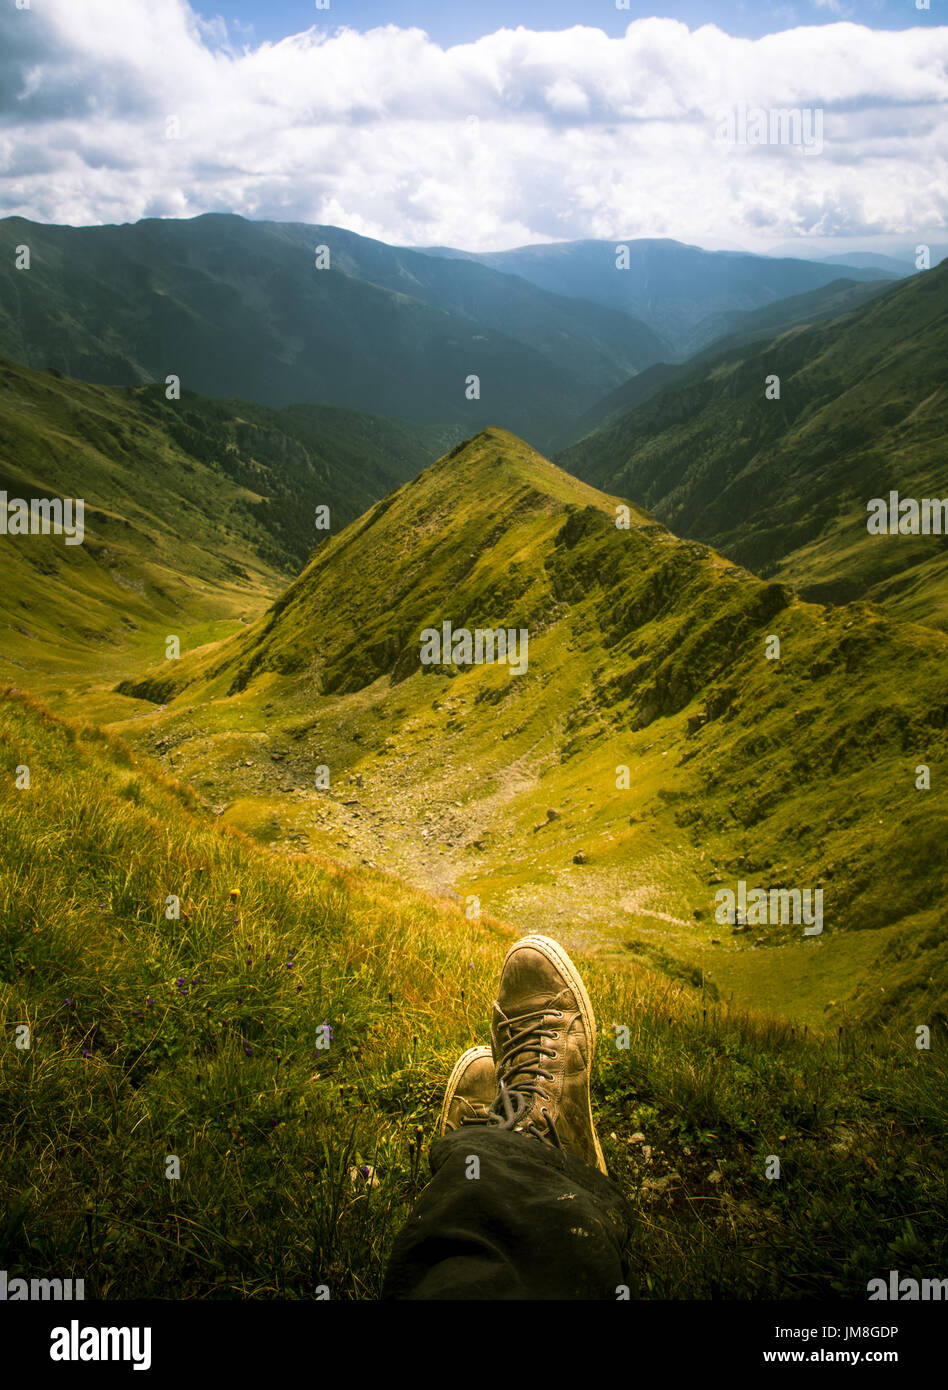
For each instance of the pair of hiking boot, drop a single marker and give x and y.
(534, 1077)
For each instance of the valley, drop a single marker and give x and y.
(266, 694)
(636, 642)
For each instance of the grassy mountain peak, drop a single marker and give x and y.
(320, 725)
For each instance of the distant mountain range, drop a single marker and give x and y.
(236, 308)
(239, 308)
(682, 292)
(782, 485)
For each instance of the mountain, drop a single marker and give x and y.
(239, 308)
(737, 328)
(321, 726)
(196, 513)
(680, 291)
(782, 486)
(871, 260)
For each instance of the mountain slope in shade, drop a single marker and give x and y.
(738, 328)
(650, 752)
(196, 513)
(680, 291)
(240, 308)
(782, 485)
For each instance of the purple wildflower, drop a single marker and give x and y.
(86, 1052)
(248, 1050)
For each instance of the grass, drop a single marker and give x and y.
(645, 651)
(781, 486)
(196, 514)
(197, 1037)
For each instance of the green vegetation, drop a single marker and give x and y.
(240, 308)
(645, 652)
(196, 1037)
(782, 485)
(196, 514)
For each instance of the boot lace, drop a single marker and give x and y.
(520, 1072)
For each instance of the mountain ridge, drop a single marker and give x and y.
(646, 652)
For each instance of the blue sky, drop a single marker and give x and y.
(613, 125)
(450, 22)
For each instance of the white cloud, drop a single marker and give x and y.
(576, 134)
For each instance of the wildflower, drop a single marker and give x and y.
(149, 1002)
(86, 1052)
(68, 1003)
(137, 1013)
(240, 999)
(248, 1050)
(298, 988)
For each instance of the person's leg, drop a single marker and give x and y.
(519, 1205)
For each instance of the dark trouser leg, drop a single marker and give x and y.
(536, 1223)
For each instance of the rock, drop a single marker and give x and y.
(637, 1138)
(655, 1187)
(580, 858)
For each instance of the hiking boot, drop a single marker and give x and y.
(543, 1036)
(471, 1090)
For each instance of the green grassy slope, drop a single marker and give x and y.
(195, 1037)
(733, 329)
(196, 512)
(645, 651)
(782, 485)
(238, 308)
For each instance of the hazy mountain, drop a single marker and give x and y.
(872, 260)
(680, 291)
(644, 651)
(239, 308)
(782, 485)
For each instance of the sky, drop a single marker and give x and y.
(484, 125)
(452, 23)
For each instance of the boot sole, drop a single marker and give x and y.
(555, 953)
(460, 1066)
